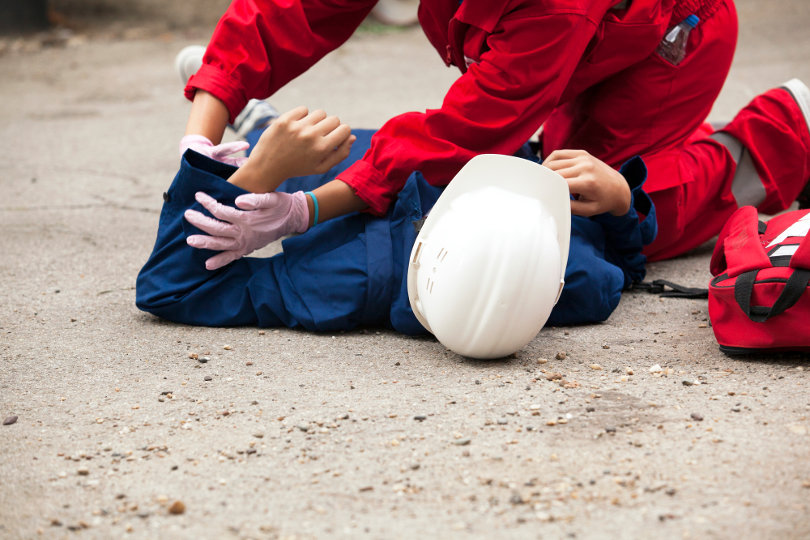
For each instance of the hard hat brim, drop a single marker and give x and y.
(518, 175)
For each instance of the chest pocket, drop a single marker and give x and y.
(627, 36)
(618, 44)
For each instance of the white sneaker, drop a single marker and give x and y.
(799, 91)
(801, 94)
(256, 114)
(188, 61)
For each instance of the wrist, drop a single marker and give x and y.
(313, 209)
(622, 205)
(254, 179)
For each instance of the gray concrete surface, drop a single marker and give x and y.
(299, 435)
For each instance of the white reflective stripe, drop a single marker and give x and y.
(785, 251)
(746, 187)
(798, 229)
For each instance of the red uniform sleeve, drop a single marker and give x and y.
(495, 107)
(260, 45)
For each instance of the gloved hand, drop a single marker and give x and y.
(220, 152)
(263, 218)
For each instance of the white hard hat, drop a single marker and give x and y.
(489, 262)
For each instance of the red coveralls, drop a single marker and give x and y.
(584, 69)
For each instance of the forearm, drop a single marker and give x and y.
(208, 117)
(335, 198)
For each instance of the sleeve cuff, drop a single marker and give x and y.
(369, 184)
(642, 209)
(201, 173)
(217, 83)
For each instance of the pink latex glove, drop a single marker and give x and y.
(263, 218)
(220, 152)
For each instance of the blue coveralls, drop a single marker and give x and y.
(352, 271)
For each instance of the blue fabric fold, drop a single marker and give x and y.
(352, 271)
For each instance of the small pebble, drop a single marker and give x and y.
(83, 471)
(462, 442)
(656, 369)
(610, 429)
(303, 427)
(9, 420)
(420, 418)
(542, 361)
(203, 359)
(561, 356)
(177, 508)
(208, 378)
(696, 417)
(595, 367)
(690, 383)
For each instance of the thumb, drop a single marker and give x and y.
(254, 201)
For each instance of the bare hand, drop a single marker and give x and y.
(297, 143)
(597, 187)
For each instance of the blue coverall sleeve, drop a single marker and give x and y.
(606, 256)
(326, 279)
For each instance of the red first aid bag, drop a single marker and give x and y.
(759, 300)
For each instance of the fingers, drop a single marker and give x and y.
(210, 225)
(293, 115)
(566, 163)
(221, 211)
(314, 117)
(253, 201)
(214, 243)
(339, 154)
(337, 136)
(557, 155)
(585, 208)
(221, 259)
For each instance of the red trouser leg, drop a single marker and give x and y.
(773, 130)
(656, 110)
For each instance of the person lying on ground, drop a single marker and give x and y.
(347, 271)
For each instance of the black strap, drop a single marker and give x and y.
(659, 286)
(795, 287)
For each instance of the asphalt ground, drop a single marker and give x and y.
(635, 428)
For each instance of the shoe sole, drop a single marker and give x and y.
(801, 95)
(188, 61)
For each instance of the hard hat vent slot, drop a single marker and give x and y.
(442, 254)
(429, 285)
(417, 253)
